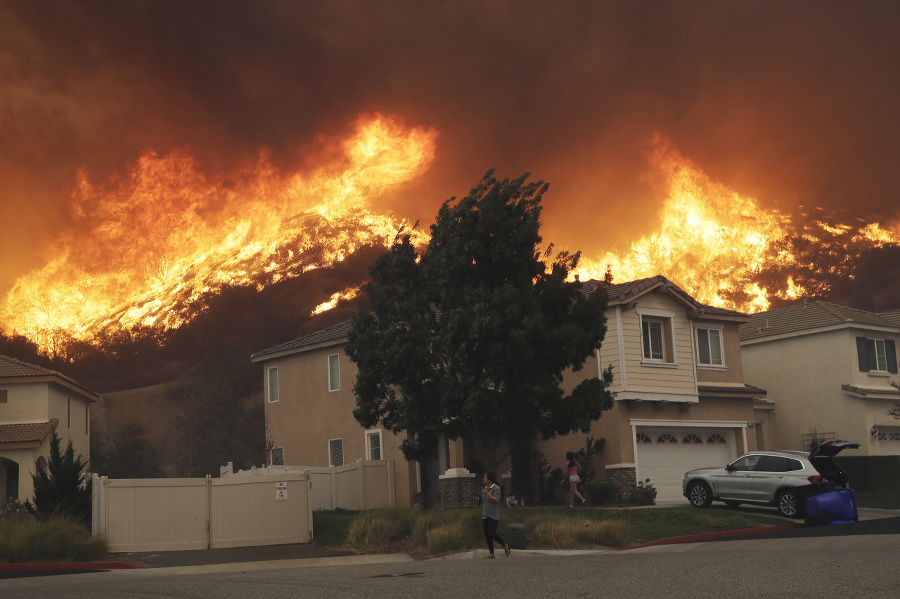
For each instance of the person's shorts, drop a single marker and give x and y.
(574, 479)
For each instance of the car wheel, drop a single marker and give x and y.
(699, 494)
(732, 503)
(787, 504)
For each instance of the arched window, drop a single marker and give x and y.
(643, 438)
(692, 438)
(666, 438)
(716, 438)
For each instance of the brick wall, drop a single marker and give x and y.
(625, 479)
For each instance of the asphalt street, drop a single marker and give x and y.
(847, 562)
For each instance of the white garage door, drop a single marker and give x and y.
(665, 454)
(889, 441)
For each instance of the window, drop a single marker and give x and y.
(745, 464)
(334, 373)
(3, 396)
(652, 339)
(716, 438)
(692, 438)
(273, 384)
(666, 438)
(709, 347)
(87, 420)
(278, 456)
(373, 445)
(643, 438)
(876, 355)
(68, 412)
(336, 452)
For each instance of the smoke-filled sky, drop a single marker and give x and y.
(792, 103)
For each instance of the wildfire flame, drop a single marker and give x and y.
(144, 247)
(714, 242)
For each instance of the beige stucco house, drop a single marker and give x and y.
(829, 370)
(681, 401)
(35, 401)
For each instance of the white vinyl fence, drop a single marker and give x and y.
(362, 485)
(167, 514)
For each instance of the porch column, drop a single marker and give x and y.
(457, 483)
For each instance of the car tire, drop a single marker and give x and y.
(732, 503)
(786, 502)
(699, 494)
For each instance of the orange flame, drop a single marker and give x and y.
(712, 241)
(145, 246)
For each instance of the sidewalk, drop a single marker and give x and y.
(872, 522)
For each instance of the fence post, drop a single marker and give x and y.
(361, 469)
(333, 485)
(209, 512)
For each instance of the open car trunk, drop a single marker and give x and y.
(822, 458)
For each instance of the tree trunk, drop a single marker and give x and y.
(522, 477)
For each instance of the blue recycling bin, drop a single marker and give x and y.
(833, 507)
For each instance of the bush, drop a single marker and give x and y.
(643, 494)
(570, 532)
(14, 510)
(380, 528)
(59, 488)
(602, 492)
(56, 539)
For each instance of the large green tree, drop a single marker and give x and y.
(472, 336)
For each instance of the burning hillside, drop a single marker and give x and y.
(145, 246)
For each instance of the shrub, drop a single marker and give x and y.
(56, 539)
(568, 533)
(59, 489)
(643, 494)
(602, 492)
(13, 509)
(447, 538)
(379, 528)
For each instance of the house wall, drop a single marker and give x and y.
(663, 378)
(40, 402)
(74, 421)
(308, 415)
(26, 402)
(733, 372)
(803, 375)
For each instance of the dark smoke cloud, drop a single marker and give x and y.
(789, 102)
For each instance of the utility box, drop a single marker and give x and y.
(515, 536)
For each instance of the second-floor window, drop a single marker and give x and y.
(876, 355)
(334, 373)
(273, 384)
(653, 338)
(709, 347)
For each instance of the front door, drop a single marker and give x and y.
(12, 480)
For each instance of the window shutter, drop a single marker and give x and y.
(862, 352)
(890, 351)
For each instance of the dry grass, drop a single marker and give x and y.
(57, 539)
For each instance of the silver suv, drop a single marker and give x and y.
(780, 478)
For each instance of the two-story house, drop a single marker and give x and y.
(35, 401)
(830, 371)
(681, 401)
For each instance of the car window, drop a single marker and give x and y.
(793, 465)
(745, 464)
(769, 463)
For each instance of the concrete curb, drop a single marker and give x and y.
(38, 566)
(714, 535)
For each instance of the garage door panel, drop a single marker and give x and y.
(665, 462)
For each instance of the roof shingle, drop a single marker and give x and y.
(32, 432)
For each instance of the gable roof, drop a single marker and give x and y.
(17, 371)
(810, 317)
(621, 293)
(32, 434)
(892, 317)
(333, 335)
(625, 293)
